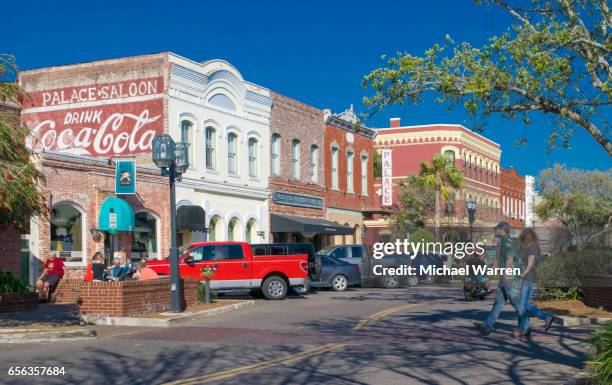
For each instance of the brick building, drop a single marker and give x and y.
(349, 171)
(477, 157)
(84, 117)
(512, 196)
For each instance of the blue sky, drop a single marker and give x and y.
(315, 51)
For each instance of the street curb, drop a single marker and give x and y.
(569, 321)
(156, 322)
(20, 336)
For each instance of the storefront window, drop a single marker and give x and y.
(67, 232)
(144, 239)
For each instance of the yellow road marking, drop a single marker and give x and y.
(256, 367)
(364, 323)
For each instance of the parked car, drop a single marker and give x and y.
(337, 274)
(369, 279)
(354, 254)
(425, 260)
(237, 267)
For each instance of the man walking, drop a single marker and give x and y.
(506, 254)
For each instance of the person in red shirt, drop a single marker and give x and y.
(51, 275)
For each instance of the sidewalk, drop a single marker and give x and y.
(47, 315)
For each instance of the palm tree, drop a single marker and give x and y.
(440, 175)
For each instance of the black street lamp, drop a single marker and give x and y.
(173, 160)
(471, 208)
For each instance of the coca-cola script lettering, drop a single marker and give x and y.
(104, 130)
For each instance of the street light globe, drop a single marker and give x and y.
(163, 151)
(182, 157)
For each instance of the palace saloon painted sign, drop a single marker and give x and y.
(100, 120)
(387, 177)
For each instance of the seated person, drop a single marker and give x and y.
(52, 273)
(145, 273)
(97, 267)
(119, 272)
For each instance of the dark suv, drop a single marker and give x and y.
(314, 262)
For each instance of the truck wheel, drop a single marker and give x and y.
(339, 283)
(391, 282)
(274, 287)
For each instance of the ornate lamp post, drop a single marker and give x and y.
(173, 160)
(471, 208)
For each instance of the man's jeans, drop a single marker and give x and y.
(500, 301)
(527, 307)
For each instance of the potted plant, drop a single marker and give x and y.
(207, 273)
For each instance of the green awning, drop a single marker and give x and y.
(116, 215)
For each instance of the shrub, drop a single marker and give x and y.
(202, 293)
(12, 284)
(601, 362)
(561, 276)
(422, 235)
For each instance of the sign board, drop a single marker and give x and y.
(284, 198)
(125, 177)
(112, 221)
(387, 177)
(98, 120)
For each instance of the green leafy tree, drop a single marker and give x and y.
(20, 197)
(377, 164)
(581, 200)
(554, 59)
(440, 176)
(416, 206)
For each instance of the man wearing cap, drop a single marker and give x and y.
(506, 254)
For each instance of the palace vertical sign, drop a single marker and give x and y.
(98, 120)
(387, 177)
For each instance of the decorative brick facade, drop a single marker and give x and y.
(512, 197)
(292, 119)
(345, 137)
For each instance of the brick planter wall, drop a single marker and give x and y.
(68, 291)
(132, 298)
(598, 291)
(18, 302)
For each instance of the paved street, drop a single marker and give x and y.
(363, 336)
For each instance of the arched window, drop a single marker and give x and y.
(144, 239)
(251, 231)
(314, 163)
(211, 148)
(214, 229)
(295, 158)
(233, 230)
(253, 165)
(276, 154)
(349, 171)
(364, 175)
(334, 168)
(222, 101)
(232, 153)
(450, 154)
(67, 232)
(186, 135)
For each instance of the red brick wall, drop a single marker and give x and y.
(341, 198)
(292, 119)
(18, 302)
(598, 291)
(10, 251)
(513, 186)
(132, 298)
(86, 184)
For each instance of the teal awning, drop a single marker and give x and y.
(116, 215)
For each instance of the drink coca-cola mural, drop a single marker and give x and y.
(102, 120)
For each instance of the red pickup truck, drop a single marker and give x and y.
(237, 268)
